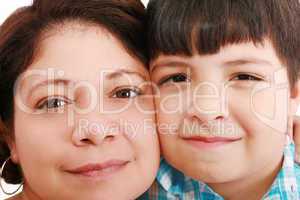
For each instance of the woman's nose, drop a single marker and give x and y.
(94, 133)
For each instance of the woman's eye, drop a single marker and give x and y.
(126, 93)
(174, 78)
(246, 77)
(52, 103)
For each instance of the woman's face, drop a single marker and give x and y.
(84, 126)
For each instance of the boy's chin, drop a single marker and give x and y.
(215, 171)
(215, 174)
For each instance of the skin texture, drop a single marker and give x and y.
(236, 94)
(51, 140)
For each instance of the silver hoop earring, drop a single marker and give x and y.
(1, 171)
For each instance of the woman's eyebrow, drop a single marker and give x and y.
(46, 82)
(65, 82)
(123, 72)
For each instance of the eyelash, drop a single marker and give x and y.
(46, 103)
(170, 77)
(119, 91)
(250, 77)
(49, 102)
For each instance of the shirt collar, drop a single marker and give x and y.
(285, 185)
(174, 182)
(170, 179)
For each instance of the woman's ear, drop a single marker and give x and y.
(295, 98)
(295, 127)
(10, 142)
(13, 150)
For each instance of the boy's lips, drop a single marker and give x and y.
(209, 142)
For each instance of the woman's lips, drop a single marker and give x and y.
(99, 170)
(209, 142)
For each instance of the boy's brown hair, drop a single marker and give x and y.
(177, 27)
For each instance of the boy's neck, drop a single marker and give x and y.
(252, 187)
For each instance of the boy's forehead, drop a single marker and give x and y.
(262, 53)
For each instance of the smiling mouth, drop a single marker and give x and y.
(210, 142)
(99, 170)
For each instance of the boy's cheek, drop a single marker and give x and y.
(261, 104)
(171, 103)
(170, 112)
(271, 107)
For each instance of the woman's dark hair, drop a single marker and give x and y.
(177, 27)
(19, 40)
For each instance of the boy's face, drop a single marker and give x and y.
(224, 116)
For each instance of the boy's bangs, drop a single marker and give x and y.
(204, 26)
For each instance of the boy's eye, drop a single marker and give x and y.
(53, 103)
(246, 77)
(126, 93)
(174, 78)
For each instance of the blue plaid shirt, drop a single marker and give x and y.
(171, 184)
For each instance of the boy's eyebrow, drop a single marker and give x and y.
(236, 62)
(169, 63)
(246, 61)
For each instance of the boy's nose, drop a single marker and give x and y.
(207, 109)
(203, 116)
